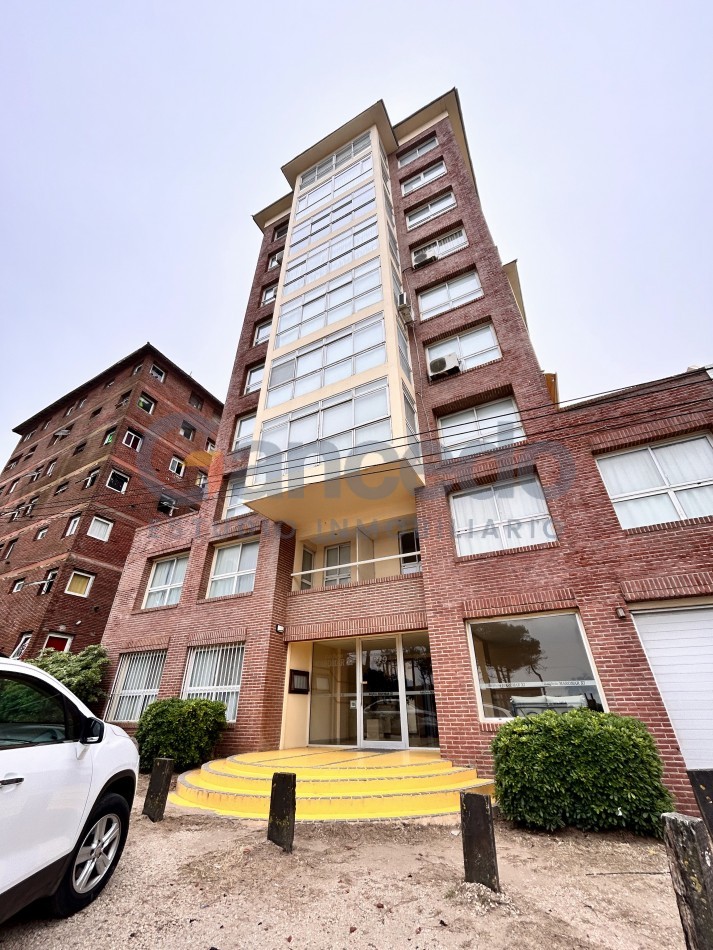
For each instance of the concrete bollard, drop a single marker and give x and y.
(283, 803)
(159, 785)
(690, 858)
(479, 854)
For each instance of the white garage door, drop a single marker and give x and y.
(679, 645)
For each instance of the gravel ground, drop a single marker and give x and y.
(207, 883)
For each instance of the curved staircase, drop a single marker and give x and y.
(332, 784)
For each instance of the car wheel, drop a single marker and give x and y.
(95, 856)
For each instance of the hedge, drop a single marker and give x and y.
(185, 730)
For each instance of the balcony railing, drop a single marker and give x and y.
(355, 572)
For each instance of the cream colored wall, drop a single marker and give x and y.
(295, 708)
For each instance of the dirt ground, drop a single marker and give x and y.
(206, 883)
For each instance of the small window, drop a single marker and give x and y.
(31, 452)
(69, 410)
(46, 424)
(233, 569)
(12, 464)
(269, 294)
(480, 428)
(117, 481)
(210, 446)
(441, 247)
(82, 401)
(453, 293)
(201, 479)
(187, 431)
(78, 449)
(58, 642)
(146, 403)
(48, 583)
(306, 575)
(244, 432)
(72, 525)
(95, 412)
(177, 466)
(51, 467)
(61, 488)
(418, 151)
(262, 332)
(157, 373)
(13, 486)
(470, 348)
(275, 260)
(91, 478)
(35, 475)
(234, 497)
(109, 436)
(100, 529)
(133, 439)
(124, 400)
(166, 505)
(254, 378)
(22, 645)
(195, 400)
(430, 210)
(79, 584)
(28, 436)
(9, 549)
(17, 586)
(60, 434)
(30, 506)
(137, 369)
(423, 178)
(136, 685)
(280, 231)
(42, 533)
(109, 384)
(166, 582)
(215, 673)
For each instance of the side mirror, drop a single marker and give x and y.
(92, 732)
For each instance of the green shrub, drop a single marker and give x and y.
(185, 730)
(594, 771)
(81, 672)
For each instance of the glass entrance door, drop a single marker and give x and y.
(381, 694)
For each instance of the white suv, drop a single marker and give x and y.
(67, 781)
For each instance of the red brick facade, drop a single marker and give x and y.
(593, 567)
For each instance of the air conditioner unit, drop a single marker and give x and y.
(423, 257)
(404, 308)
(446, 365)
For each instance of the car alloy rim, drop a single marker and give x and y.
(96, 854)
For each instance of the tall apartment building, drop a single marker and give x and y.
(406, 539)
(129, 448)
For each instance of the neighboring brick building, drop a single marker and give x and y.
(128, 448)
(432, 542)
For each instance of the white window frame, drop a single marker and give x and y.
(41, 532)
(13, 486)
(195, 400)
(668, 488)
(133, 439)
(280, 232)
(343, 156)
(455, 298)
(109, 436)
(167, 588)
(150, 664)
(275, 259)
(443, 246)
(86, 574)
(157, 373)
(466, 360)
(430, 215)
(254, 378)
(122, 490)
(91, 478)
(187, 430)
(210, 664)
(46, 586)
(332, 254)
(260, 336)
(166, 502)
(330, 189)
(209, 446)
(268, 295)
(72, 525)
(241, 442)
(201, 479)
(145, 398)
(177, 466)
(417, 151)
(104, 521)
(62, 636)
(234, 506)
(17, 585)
(51, 467)
(501, 524)
(425, 177)
(334, 217)
(489, 432)
(137, 369)
(233, 574)
(21, 646)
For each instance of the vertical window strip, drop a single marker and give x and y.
(341, 250)
(136, 685)
(335, 161)
(355, 205)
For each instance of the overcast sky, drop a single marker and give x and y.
(138, 138)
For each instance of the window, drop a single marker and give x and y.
(346, 247)
(331, 301)
(60, 489)
(244, 432)
(157, 373)
(109, 436)
(30, 506)
(527, 665)
(187, 431)
(46, 424)
(15, 514)
(9, 549)
(340, 158)
(430, 210)
(472, 348)
(124, 400)
(36, 714)
(166, 505)
(201, 479)
(58, 642)
(337, 557)
(12, 464)
(60, 434)
(307, 579)
(410, 415)
(404, 351)
(275, 260)
(117, 481)
(95, 412)
(441, 247)
(423, 178)
(337, 216)
(36, 474)
(17, 586)
(100, 528)
(479, 429)
(146, 403)
(335, 186)
(451, 294)
(280, 231)
(133, 439)
(137, 369)
(356, 420)
(501, 516)
(215, 673)
(336, 357)
(22, 645)
(109, 383)
(82, 401)
(42, 533)
(166, 582)
(233, 569)
(91, 478)
(69, 410)
(209, 446)
(13, 486)
(195, 400)
(262, 332)
(50, 467)
(253, 380)
(136, 685)
(654, 484)
(177, 466)
(418, 151)
(268, 294)
(72, 525)
(79, 584)
(78, 449)
(410, 551)
(30, 452)
(46, 586)
(28, 435)
(234, 497)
